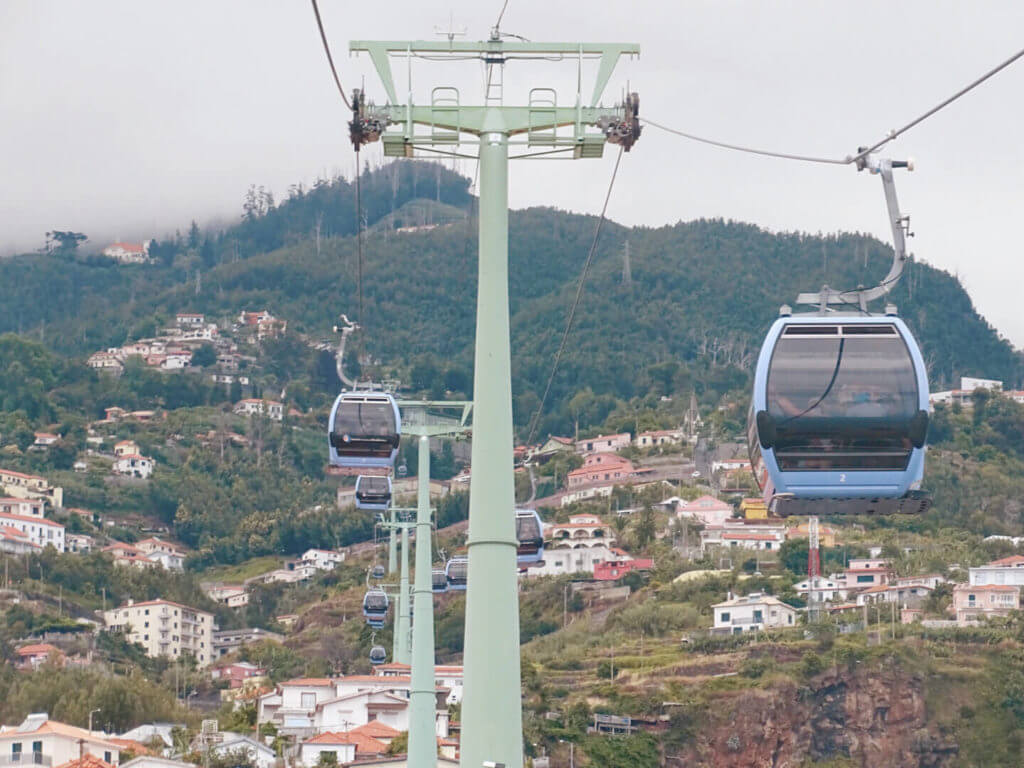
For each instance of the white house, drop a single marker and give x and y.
(752, 613)
(25, 507)
(761, 535)
(604, 443)
(152, 761)
(322, 559)
(189, 320)
(15, 542)
(251, 406)
(1006, 570)
(80, 543)
(581, 531)
(128, 253)
(260, 755)
(134, 465)
(567, 560)
(826, 589)
(44, 742)
(232, 595)
(894, 593)
(40, 531)
(705, 509)
(658, 437)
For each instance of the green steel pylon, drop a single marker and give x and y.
(422, 694)
(492, 708)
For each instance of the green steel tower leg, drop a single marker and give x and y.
(492, 714)
(392, 547)
(422, 698)
(401, 643)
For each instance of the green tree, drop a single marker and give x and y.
(204, 355)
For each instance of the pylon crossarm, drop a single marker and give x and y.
(492, 52)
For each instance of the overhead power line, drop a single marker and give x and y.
(330, 59)
(849, 158)
(576, 301)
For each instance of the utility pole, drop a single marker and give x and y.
(492, 706)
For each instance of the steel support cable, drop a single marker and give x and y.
(749, 150)
(849, 158)
(941, 105)
(576, 300)
(330, 59)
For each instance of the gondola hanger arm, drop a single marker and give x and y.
(900, 226)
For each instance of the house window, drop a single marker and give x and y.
(16, 752)
(147, 611)
(308, 700)
(37, 747)
(768, 545)
(870, 579)
(758, 617)
(725, 616)
(106, 757)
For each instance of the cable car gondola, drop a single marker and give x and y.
(378, 572)
(457, 573)
(364, 431)
(839, 413)
(378, 655)
(373, 492)
(375, 607)
(530, 537)
(439, 581)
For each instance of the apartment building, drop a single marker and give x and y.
(164, 628)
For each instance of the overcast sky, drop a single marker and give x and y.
(131, 118)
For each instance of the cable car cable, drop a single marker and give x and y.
(330, 59)
(749, 150)
(576, 301)
(849, 158)
(966, 89)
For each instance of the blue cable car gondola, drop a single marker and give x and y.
(457, 574)
(373, 492)
(375, 607)
(530, 537)
(839, 416)
(364, 430)
(438, 580)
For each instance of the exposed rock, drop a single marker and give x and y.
(874, 719)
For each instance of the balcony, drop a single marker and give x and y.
(25, 758)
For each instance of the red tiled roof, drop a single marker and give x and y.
(750, 536)
(131, 745)
(364, 744)
(33, 650)
(377, 730)
(20, 474)
(130, 247)
(319, 681)
(28, 519)
(1011, 560)
(86, 761)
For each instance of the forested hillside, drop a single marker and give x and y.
(690, 315)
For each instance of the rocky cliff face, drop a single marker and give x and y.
(873, 720)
